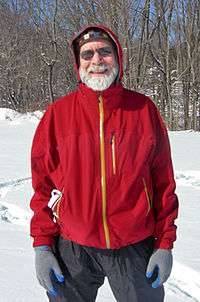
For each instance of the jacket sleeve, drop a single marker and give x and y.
(44, 162)
(165, 201)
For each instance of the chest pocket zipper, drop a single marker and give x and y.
(112, 142)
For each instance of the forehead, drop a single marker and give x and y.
(95, 45)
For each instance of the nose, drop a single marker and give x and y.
(96, 58)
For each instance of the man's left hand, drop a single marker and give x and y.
(161, 260)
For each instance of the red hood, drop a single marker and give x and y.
(113, 37)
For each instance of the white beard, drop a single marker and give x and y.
(98, 83)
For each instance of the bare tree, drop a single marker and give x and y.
(188, 67)
(160, 41)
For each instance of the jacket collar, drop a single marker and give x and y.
(112, 96)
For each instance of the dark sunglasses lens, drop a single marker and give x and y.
(87, 54)
(104, 51)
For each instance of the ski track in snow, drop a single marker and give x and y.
(174, 288)
(184, 281)
(190, 178)
(14, 182)
(10, 212)
(180, 282)
(14, 214)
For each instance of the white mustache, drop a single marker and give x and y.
(97, 68)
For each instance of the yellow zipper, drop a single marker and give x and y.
(58, 207)
(113, 153)
(149, 199)
(103, 172)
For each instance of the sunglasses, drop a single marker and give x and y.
(89, 54)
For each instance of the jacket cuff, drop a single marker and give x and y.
(163, 244)
(43, 240)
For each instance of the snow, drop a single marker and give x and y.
(17, 274)
(189, 179)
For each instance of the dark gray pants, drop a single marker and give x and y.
(85, 268)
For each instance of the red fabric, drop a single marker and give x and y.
(140, 198)
(66, 154)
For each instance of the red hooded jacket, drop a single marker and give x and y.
(108, 154)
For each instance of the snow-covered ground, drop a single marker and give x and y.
(17, 275)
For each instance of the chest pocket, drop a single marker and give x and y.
(130, 151)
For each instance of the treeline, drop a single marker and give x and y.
(160, 39)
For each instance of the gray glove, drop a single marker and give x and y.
(161, 260)
(46, 264)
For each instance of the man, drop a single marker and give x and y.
(102, 153)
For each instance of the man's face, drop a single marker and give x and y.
(98, 64)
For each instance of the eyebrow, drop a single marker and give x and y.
(107, 48)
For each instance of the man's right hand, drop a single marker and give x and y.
(46, 264)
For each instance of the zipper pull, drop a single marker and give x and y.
(111, 137)
(100, 98)
(55, 196)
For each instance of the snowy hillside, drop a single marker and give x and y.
(17, 276)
